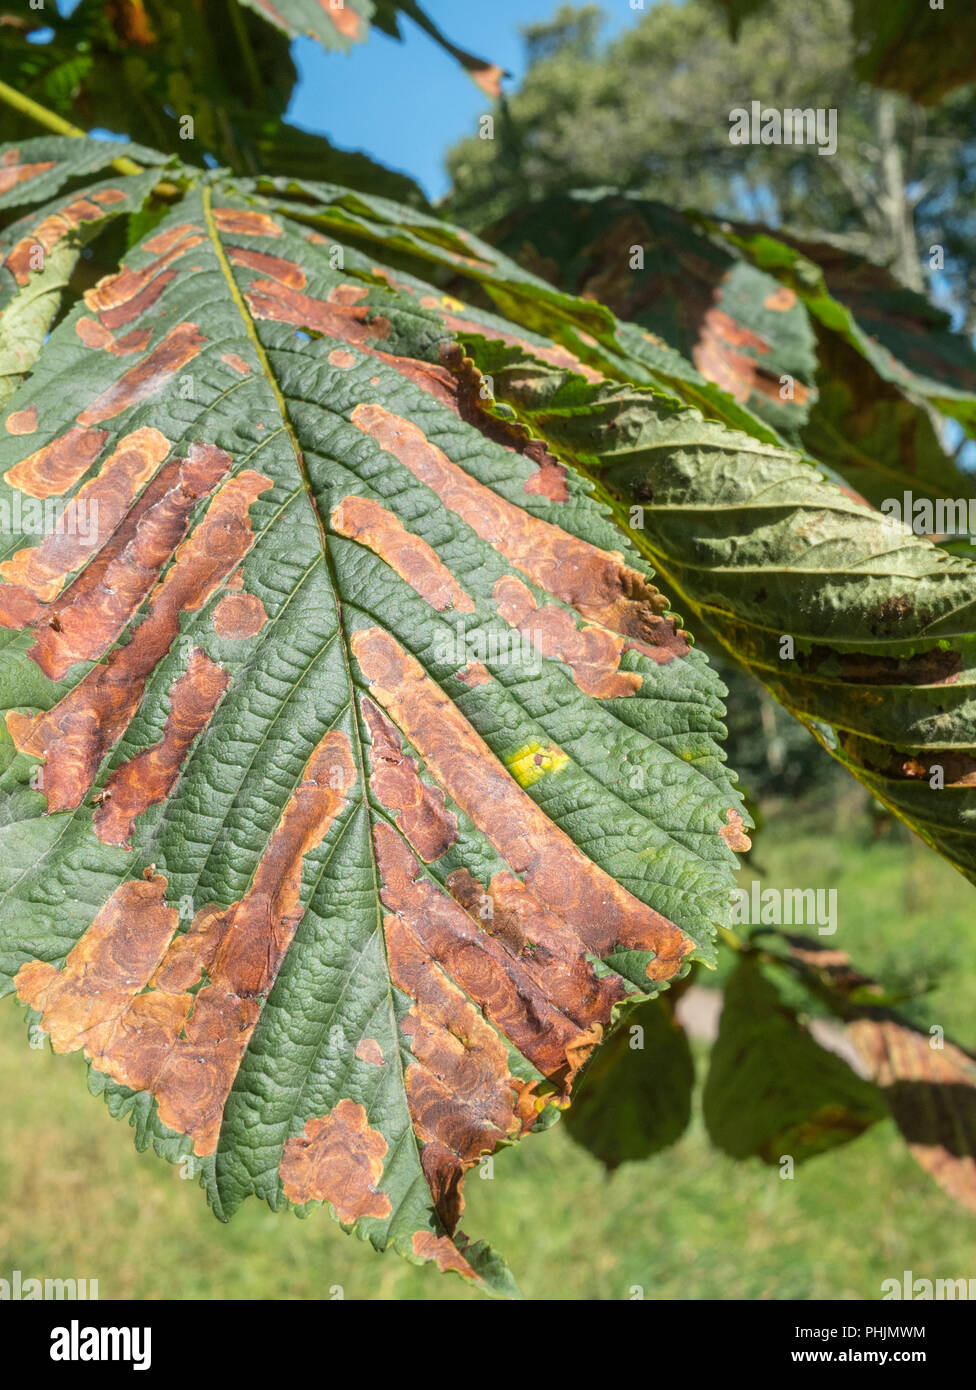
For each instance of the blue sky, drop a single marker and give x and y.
(406, 103)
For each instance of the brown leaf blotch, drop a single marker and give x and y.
(101, 504)
(239, 616)
(180, 345)
(243, 222)
(12, 173)
(22, 421)
(149, 777)
(186, 1048)
(734, 833)
(268, 299)
(57, 467)
(50, 231)
(338, 1159)
(91, 613)
(408, 555)
(76, 734)
(369, 1051)
(441, 1249)
(560, 876)
(95, 335)
(236, 362)
(591, 653)
(595, 582)
(285, 272)
(419, 809)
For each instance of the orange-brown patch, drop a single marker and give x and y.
(150, 776)
(95, 335)
(101, 504)
(76, 734)
(595, 582)
(186, 1048)
(420, 811)
(338, 1159)
(369, 1051)
(568, 884)
(285, 272)
(473, 674)
(22, 421)
(18, 608)
(347, 294)
(408, 555)
(238, 363)
(459, 1089)
(267, 299)
(780, 300)
(718, 356)
(84, 1002)
(54, 469)
(163, 242)
(591, 653)
(550, 478)
(52, 229)
(441, 1249)
(338, 357)
(180, 346)
(12, 173)
(734, 833)
(242, 222)
(123, 296)
(239, 616)
(84, 622)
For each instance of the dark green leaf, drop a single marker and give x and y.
(773, 1092)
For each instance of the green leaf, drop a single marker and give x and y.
(655, 268)
(200, 77)
(866, 632)
(35, 170)
(771, 1090)
(39, 251)
(635, 1096)
(558, 327)
(862, 364)
(355, 771)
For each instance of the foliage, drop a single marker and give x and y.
(648, 113)
(207, 79)
(362, 789)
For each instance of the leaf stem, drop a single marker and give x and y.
(52, 121)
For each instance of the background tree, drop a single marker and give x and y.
(903, 177)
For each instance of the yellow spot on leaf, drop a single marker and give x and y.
(533, 761)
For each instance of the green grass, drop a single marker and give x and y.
(687, 1224)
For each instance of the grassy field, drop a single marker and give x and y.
(689, 1223)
